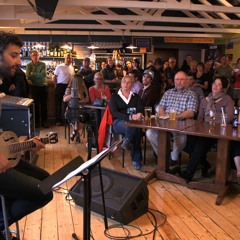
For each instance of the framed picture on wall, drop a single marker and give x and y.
(144, 45)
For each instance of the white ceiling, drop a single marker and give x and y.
(156, 18)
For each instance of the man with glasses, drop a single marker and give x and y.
(184, 102)
(36, 72)
(170, 72)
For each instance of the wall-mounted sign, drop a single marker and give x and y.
(144, 45)
(189, 40)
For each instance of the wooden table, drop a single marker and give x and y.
(223, 136)
(195, 128)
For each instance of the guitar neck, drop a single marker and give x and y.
(24, 146)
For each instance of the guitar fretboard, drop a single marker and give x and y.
(24, 146)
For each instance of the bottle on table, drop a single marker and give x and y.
(235, 118)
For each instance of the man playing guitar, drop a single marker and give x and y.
(18, 184)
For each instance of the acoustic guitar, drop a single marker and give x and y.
(12, 148)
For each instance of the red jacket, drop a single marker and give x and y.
(104, 133)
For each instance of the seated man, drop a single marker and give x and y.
(125, 106)
(184, 102)
(149, 93)
(19, 184)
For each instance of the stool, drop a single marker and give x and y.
(5, 219)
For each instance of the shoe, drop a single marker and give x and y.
(125, 144)
(205, 169)
(173, 162)
(45, 125)
(187, 176)
(3, 236)
(137, 165)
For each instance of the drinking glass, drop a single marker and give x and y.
(147, 113)
(172, 114)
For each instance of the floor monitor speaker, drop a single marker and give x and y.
(126, 196)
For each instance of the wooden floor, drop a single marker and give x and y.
(190, 214)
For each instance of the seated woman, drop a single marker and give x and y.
(99, 90)
(126, 106)
(78, 83)
(212, 104)
(76, 90)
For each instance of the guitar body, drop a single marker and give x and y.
(11, 148)
(7, 138)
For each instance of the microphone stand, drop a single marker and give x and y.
(86, 174)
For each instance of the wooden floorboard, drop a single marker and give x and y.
(190, 214)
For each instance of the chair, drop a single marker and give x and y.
(116, 136)
(5, 219)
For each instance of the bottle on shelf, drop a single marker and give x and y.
(235, 118)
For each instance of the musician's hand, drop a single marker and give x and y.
(38, 143)
(4, 163)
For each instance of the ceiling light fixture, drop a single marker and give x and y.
(92, 46)
(131, 47)
(67, 46)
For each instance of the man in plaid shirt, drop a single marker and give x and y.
(185, 104)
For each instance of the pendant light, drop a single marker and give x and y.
(91, 46)
(67, 46)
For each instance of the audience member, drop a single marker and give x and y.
(235, 161)
(193, 67)
(125, 106)
(170, 72)
(82, 89)
(186, 64)
(136, 65)
(225, 70)
(209, 75)
(137, 85)
(236, 81)
(196, 89)
(184, 102)
(128, 67)
(110, 75)
(62, 76)
(149, 94)
(199, 146)
(99, 90)
(201, 78)
(36, 72)
(86, 72)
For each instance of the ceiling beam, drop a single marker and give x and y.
(96, 33)
(144, 18)
(165, 4)
(89, 27)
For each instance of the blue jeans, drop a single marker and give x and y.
(134, 136)
(19, 185)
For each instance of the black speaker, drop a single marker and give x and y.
(46, 8)
(126, 196)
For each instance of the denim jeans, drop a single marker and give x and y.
(19, 185)
(133, 134)
(180, 141)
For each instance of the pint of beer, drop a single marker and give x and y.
(147, 113)
(172, 114)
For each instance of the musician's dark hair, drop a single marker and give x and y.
(7, 38)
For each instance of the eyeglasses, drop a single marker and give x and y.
(99, 78)
(34, 55)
